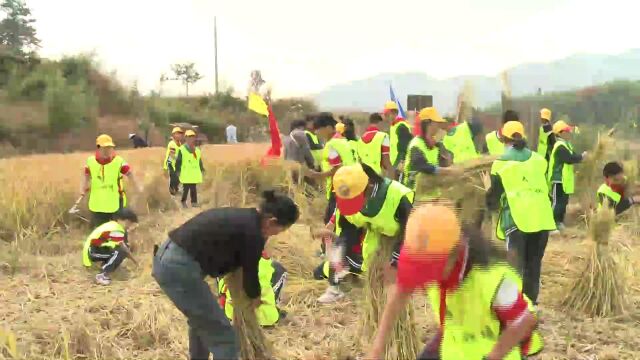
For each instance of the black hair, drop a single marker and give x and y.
(482, 252)
(375, 118)
(126, 214)
(297, 124)
(371, 174)
(349, 129)
(280, 207)
(324, 120)
(612, 168)
(310, 118)
(510, 115)
(518, 142)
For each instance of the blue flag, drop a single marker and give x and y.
(392, 95)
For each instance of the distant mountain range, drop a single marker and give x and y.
(573, 72)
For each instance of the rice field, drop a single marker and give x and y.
(53, 310)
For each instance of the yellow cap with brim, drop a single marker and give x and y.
(105, 140)
(545, 114)
(430, 113)
(190, 133)
(561, 126)
(510, 128)
(389, 105)
(176, 130)
(350, 183)
(340, 128)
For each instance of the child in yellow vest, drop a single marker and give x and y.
(614, 190)
(169, 159)
(189, 168)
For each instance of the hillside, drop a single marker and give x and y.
(573, 72)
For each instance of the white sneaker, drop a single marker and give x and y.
(331, 295)
(103, 279)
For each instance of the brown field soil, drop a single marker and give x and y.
(51, 304)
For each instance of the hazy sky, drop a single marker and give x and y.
(302, 46)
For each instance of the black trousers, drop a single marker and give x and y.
(528, 249)
(99, 218)
(174, 181)
(110, 258)
(189, 189)
(559, 201)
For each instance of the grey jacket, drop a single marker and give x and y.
(296, 148)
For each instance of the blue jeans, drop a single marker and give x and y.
(182, 279)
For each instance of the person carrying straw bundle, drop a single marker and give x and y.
(217, 242)
(519, 191)
(475, 295)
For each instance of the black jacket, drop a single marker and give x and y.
(222, 240)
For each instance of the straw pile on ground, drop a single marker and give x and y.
(600, 289)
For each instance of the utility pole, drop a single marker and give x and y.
(215, 42)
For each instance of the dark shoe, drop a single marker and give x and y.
(318, 272)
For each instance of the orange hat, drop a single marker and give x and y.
(432, 233)
(350, 183)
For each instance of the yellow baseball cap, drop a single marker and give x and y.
(176, 130)
(105, 140)
(190, 133)
(389, 105)
(349, 184)
(430, 113)
(545, 114)
(510, 128)
(340, 128)
(561, 126)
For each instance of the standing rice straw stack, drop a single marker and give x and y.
(253, 344)
(599, 291)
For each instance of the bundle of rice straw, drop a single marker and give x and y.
(253, 344)
(599, 291)
(404, 342)
(590, 170)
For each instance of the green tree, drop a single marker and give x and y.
(186, 73)
(16, 29)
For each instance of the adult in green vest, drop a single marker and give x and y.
(350, 135)
(368, 201)
(519, 191)
(177, 136)
(425, 154)
(103, 179)
(108, 244)
(273, 277)
(315, 144)
(560, 174)
(460, 141)
(493, 140)
(374, 148)
(474, 294)
(399, 135)
(189, 168)
(614, 191)
(546, 138)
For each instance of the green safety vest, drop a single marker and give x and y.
(393, 139)
(317, 154)
(494, 145)
(371, 153)
(108, 226)
(526, 194)
(471, 328)
(607, 191)
(382, 223)
(566, 174)
(106, 185)
(171, 146)
(267, 313)
(409, 178)
(346, 156)
(543, 142)
(190, 171)
(459, 142)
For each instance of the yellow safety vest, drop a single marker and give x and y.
(471, 329)
(371, 153)
(459, 142)
(494, 145)
(106, 227)
(384, 222)
(317, 154)
(526, 193)
(409, 178)
(172, 146)
(567, 173)
(543, 142)
(267, 313)
(393, 139)
(190, 171)
(346, 156)
(106, 182)
(607, 191)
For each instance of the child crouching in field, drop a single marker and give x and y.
(189, 168)
(108, 244)
(614, 189)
